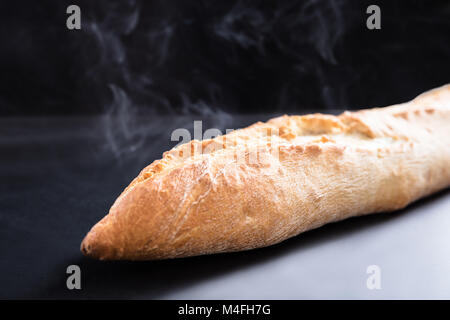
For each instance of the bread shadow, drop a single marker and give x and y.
(156, 279)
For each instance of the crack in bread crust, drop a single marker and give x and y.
(220, 195)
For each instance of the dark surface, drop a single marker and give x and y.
(59, 176)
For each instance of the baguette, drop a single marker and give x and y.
(258, 186)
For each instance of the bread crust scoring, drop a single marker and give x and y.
(260, 185)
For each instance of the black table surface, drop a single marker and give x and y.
(59, 176)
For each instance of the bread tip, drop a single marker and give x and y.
(92, 248)
(85, 246)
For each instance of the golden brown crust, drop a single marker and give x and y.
(263, 184)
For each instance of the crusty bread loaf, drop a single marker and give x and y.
(260, 185)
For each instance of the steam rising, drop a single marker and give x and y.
(152, 59)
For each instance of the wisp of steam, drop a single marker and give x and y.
(186, 59)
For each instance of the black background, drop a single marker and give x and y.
(202, 56)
